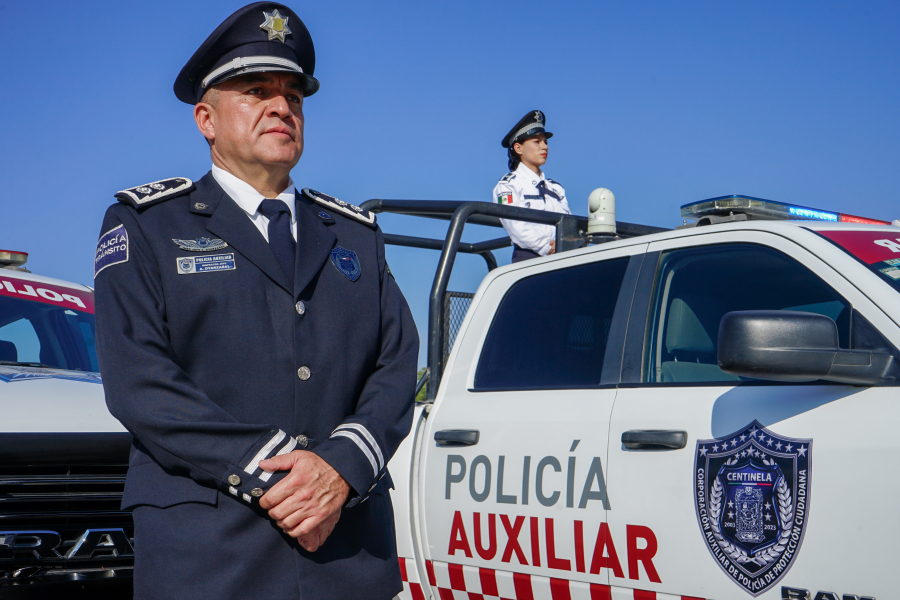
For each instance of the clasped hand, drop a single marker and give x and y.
(307, 503)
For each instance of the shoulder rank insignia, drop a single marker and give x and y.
(151, 193)
(508, 177)
(341, 206)
(201, 244)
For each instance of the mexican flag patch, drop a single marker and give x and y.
(505, 198)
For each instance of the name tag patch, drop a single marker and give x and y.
(203, 264)
(112, 249)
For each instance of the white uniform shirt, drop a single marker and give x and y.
(249, 199)
(519, 188)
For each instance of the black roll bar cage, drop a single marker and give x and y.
(570, 234)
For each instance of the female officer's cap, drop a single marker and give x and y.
(530, 125)
(261, 37)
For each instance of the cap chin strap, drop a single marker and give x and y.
(242, 62)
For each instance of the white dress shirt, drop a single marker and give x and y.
(249, 199)
(519, 188)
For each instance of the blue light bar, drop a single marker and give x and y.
(755, 208)
(809, 213)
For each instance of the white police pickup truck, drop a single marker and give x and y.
(63, 457)
(710, 412)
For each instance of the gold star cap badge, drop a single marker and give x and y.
(276, 26)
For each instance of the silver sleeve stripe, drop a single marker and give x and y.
(292, 443)
(264, 452)
(362, 429)
(362, 446)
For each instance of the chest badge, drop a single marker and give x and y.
(346, 262)
(201, 244)
(752, 491)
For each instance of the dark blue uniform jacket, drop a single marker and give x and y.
(204, 369)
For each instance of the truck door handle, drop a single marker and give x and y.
(450, 438)
(654, 439)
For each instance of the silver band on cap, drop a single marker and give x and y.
(525, 130)
(243, 62)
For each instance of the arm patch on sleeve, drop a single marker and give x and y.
(112, 249)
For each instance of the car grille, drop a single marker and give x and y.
(42, 492)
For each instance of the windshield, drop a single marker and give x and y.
(878, 250)
(46, 325)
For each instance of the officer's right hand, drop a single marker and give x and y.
(552, 247)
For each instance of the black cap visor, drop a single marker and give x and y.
(309, 84)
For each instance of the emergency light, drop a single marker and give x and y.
(13, 259)
(757, 208)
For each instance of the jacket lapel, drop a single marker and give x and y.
(314, 243)
(231, 224)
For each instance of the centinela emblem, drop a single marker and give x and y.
(752, 491)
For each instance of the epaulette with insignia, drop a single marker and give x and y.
(341, 206)
(508, 177)
(551, 181)
(152, 193)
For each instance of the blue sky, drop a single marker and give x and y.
(662, 102)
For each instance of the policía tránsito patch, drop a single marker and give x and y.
(112, 249)
(205, 263)
(346, 262)
(752, 491)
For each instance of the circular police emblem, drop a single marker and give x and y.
(752, 492)
(144, 190)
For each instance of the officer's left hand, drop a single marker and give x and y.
(307, 503)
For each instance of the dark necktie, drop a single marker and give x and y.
(544, 191)
(280, 238)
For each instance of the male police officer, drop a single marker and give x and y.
(527, 186)
(253, 340)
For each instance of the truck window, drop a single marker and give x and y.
(39, 332)
(695, 287)
(551, 329)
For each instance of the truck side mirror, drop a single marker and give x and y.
(782, 345)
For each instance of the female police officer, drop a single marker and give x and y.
(526, 186)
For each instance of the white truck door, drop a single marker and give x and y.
(723, 488)
(512, 490)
